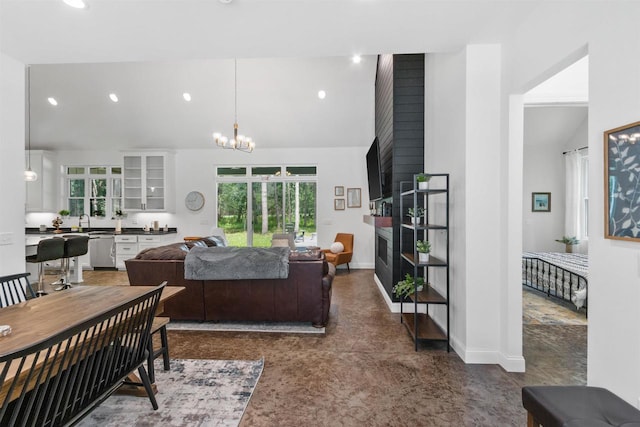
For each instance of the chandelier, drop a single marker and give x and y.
(238, 142)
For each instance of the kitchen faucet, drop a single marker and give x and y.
(88, 222)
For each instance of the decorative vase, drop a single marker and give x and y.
(569, 248)
(118, 225)
(420, 288)
(423, 185)
(423, 257)
(415, 220)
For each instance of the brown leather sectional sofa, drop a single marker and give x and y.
(305, 296)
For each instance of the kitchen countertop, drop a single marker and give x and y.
(134, 231)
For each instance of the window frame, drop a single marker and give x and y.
(110, 177)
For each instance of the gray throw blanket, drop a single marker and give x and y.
(231, 263)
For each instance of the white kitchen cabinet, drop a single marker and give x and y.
(128, 245)
(148, 182)
(126, 248)
(41, 194)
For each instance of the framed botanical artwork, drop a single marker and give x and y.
(354, 198)
(338, 191)
(621, 175)
(540, 202)
(338, 204)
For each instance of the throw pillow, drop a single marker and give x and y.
(336, 247)
(216, 240)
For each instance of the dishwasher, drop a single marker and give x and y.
(102, 251)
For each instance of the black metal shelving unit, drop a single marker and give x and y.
(422, 326)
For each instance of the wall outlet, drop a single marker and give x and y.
(6, 238)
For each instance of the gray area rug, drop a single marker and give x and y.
(278, 327)
(192, 393)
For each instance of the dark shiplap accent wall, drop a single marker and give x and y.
(384, 116)
(400, 130)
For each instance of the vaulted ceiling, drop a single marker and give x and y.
(151, 51)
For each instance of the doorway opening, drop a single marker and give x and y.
(554, 232)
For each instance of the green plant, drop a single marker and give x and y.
(64, 212)
(119, 213)
(407, 286)
(423, 246)
(568, 240)
(415, 211)
(423, 177)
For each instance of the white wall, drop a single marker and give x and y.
(543, 172)
(444, 142)
(12, 188)
(195, 171)
(463, 138)
(553, 36)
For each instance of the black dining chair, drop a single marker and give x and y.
(48, 250)
(14, 289)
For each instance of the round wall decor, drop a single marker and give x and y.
(194, 200)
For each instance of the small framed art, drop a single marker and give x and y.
(338, 191)
(540, 202)
(338, 204)
(354, 196)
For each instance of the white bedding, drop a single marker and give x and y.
(553, 282)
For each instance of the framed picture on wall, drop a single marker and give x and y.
(621, 174)
(540, 202)
(338, 204)
(354, 196)
(338, 191)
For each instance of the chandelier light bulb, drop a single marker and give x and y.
(52, 101)
(186, 96)
(322, 94)
(113, 97)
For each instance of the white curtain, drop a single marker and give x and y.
(573, 207)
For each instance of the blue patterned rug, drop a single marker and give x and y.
(192, 393)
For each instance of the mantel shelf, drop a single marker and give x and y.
(378, 221)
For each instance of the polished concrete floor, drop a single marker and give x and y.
(365, 372)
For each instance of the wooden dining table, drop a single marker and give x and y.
(35, 320)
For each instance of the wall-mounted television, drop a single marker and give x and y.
(374, 172)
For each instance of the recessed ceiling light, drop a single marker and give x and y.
(356, 59)
(78, 4)
(322, 94)
(52, 101)
(113, 97)
(186, 96)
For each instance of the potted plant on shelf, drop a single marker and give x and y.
(568, 242)
(423, 247)
(423, 181)
(406, 287)
(415, 214)
(64, 213)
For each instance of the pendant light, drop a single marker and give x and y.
(29, 175)
(239, 142)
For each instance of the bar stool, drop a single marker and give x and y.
(48, 250)
(74, 246)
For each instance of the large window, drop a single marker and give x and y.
(94, 190)
(255, 202)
